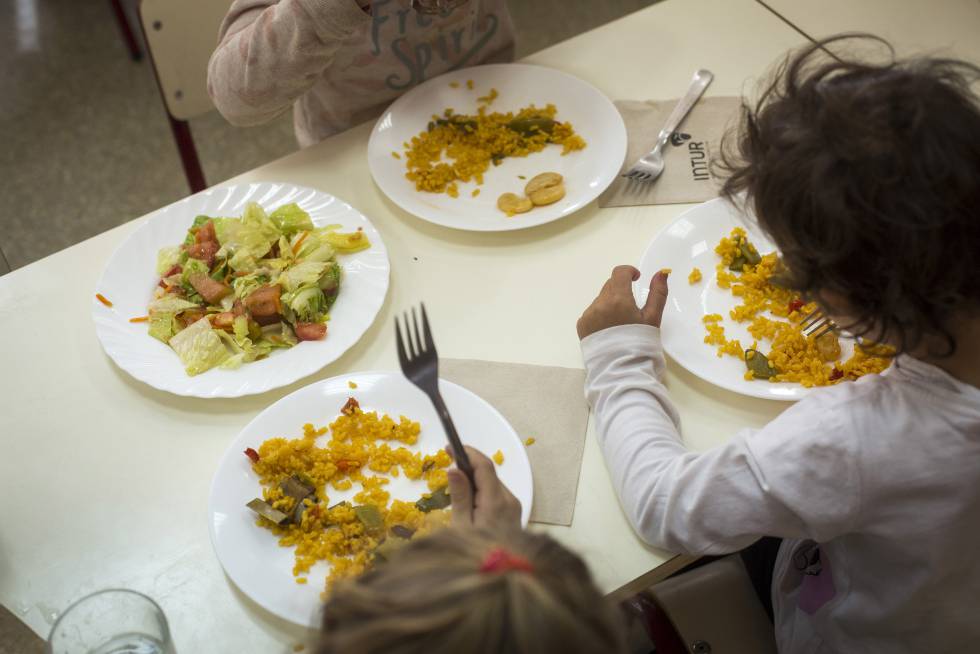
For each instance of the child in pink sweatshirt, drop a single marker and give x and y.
(340, 62)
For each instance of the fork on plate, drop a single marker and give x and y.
(420, 364)
(816, 324)
(651, 165)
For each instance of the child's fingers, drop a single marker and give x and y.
(485, 477)
(484, 473)
(623, 277)
(653, 310)
(462, 497)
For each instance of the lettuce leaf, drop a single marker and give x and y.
(246, 240)
(240, 328)
(290, 219)
(285, 339)
(304, 273)
(198, 222)
(307, 303)
(330, 280)
(163, 325)
(171, 303)
(243, 350)
(167, 258)
(243, 286)
(200, 347)
(192, 266)
(347, 243)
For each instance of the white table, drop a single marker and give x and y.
(945, 28)
(106, 480)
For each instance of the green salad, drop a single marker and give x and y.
(238, 288)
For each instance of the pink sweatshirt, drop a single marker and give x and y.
(336, 64)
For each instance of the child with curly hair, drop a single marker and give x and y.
(867, 178)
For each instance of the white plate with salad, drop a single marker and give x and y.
(240, 289)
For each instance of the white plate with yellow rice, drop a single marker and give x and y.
(500, 88)
(690, 242)
(251, 555)
(130, 278)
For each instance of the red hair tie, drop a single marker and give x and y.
(500, 560)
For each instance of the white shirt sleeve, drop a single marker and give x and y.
(795, 478)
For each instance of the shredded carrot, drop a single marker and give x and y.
(140, 319)
(299, 242)
(101, 298)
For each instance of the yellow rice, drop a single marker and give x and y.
(695, 276)
(437, 159)
(765, 309)
(362, 449)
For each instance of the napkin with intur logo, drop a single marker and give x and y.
(687, 175)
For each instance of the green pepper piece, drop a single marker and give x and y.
(369, 516)
(750, 253)
(403, 532)
(532, 126)
(737, 263)
(438, 499)
(758, 364)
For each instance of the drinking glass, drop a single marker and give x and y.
(114, 621)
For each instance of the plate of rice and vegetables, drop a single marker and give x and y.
(729, 319)
(497, 147)
(240, 289)
(331, 479)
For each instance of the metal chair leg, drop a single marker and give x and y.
(660, 630)
(127, 32)
(188, 154)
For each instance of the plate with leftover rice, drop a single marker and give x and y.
(332, 478)
(497, 147)
(731, 317)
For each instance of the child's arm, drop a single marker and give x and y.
(271, 52)
(795, 478)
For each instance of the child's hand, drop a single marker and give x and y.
(616, 305)
(494, 505)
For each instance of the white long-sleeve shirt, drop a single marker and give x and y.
(880, 477)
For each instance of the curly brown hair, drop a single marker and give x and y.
(867, 177)
(431, 598)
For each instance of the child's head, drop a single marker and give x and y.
(867, 177)
(467, 590)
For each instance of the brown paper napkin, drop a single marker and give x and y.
(540, 402)
(687, 174)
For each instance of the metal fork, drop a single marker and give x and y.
(650, 165)
(420, 364)
(816, 324)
